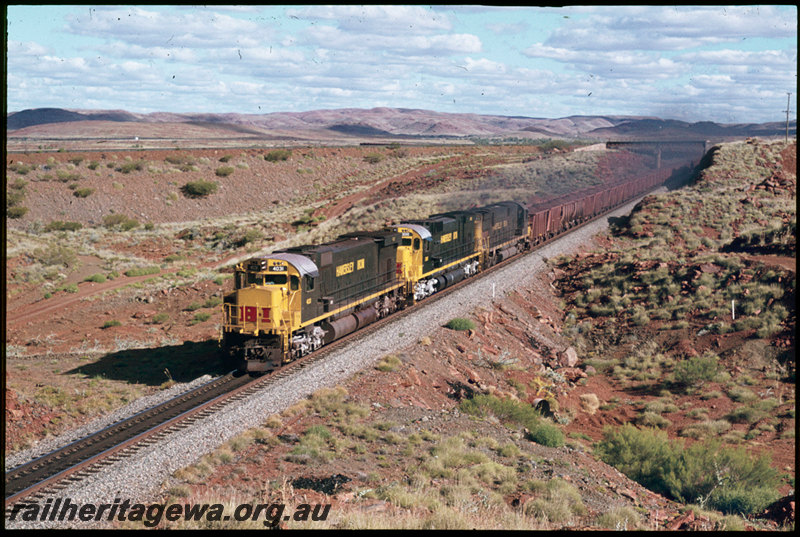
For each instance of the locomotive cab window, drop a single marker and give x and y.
(255, 279)
(240, 279)
(406, 242)
(275, 279)
(309, 283)
(294, 283)
(416, 244)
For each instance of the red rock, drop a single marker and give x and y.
(572, 374)
(472, 376)
(568, 357)
(412, 374)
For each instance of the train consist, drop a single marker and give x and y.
(291, 302)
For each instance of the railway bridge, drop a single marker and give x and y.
(666, 149)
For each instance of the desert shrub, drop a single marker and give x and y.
(651, 419)
(619, 519)
(193, 306)
(66, 176)
(14, 197)
(518, 413)
(119, 221)
(277, 154)
(373, 158)
(93, 165)
(58, 225)
(160, 318)
(547, 434)
(20, 168)
(142, 271)
(251, 235)
(109, 324)
(96, 278)
(129, 166)
(388, 363)
(83, 192)
(16, 212)
(201, 317)
(459, 323)
(199, 189)
(695, 371)
(557, 501)
(56, 254)
(212, 302)
(308, 218)
(724, 478)
(224, 171)
(225, 158)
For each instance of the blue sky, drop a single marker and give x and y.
(729, 64)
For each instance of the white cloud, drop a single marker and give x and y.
(378, 19)
(669, 27)
(200, 29)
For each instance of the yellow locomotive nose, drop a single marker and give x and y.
(256, 311)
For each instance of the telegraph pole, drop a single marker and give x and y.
(788, 101)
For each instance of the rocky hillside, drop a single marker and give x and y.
(401, 122)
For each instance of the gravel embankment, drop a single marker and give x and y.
(139, 477)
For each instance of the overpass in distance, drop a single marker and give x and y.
(666, 149)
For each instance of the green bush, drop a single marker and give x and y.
(14, 197)
(120, 221)
(373, 158)
(547, 434)
(83, 192)
(201, 317)
(56, 254)
(459, 323)
(20, 168)
(66, 176)
(109, 324)
(278, 154)
(515, 412)
(224, 171)
(727, 479)
(97, 278)
(58, 225)
(130, 166)
(695, 371)
(16, 212)
(199, 189)
(388, 363)
(212, 302)
(142, 271)
(160, 318)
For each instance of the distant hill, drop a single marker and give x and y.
(382, 122)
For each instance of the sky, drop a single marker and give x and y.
(728, 64)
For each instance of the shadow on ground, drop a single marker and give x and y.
(155, 366)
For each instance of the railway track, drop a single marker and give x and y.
(59, 469)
